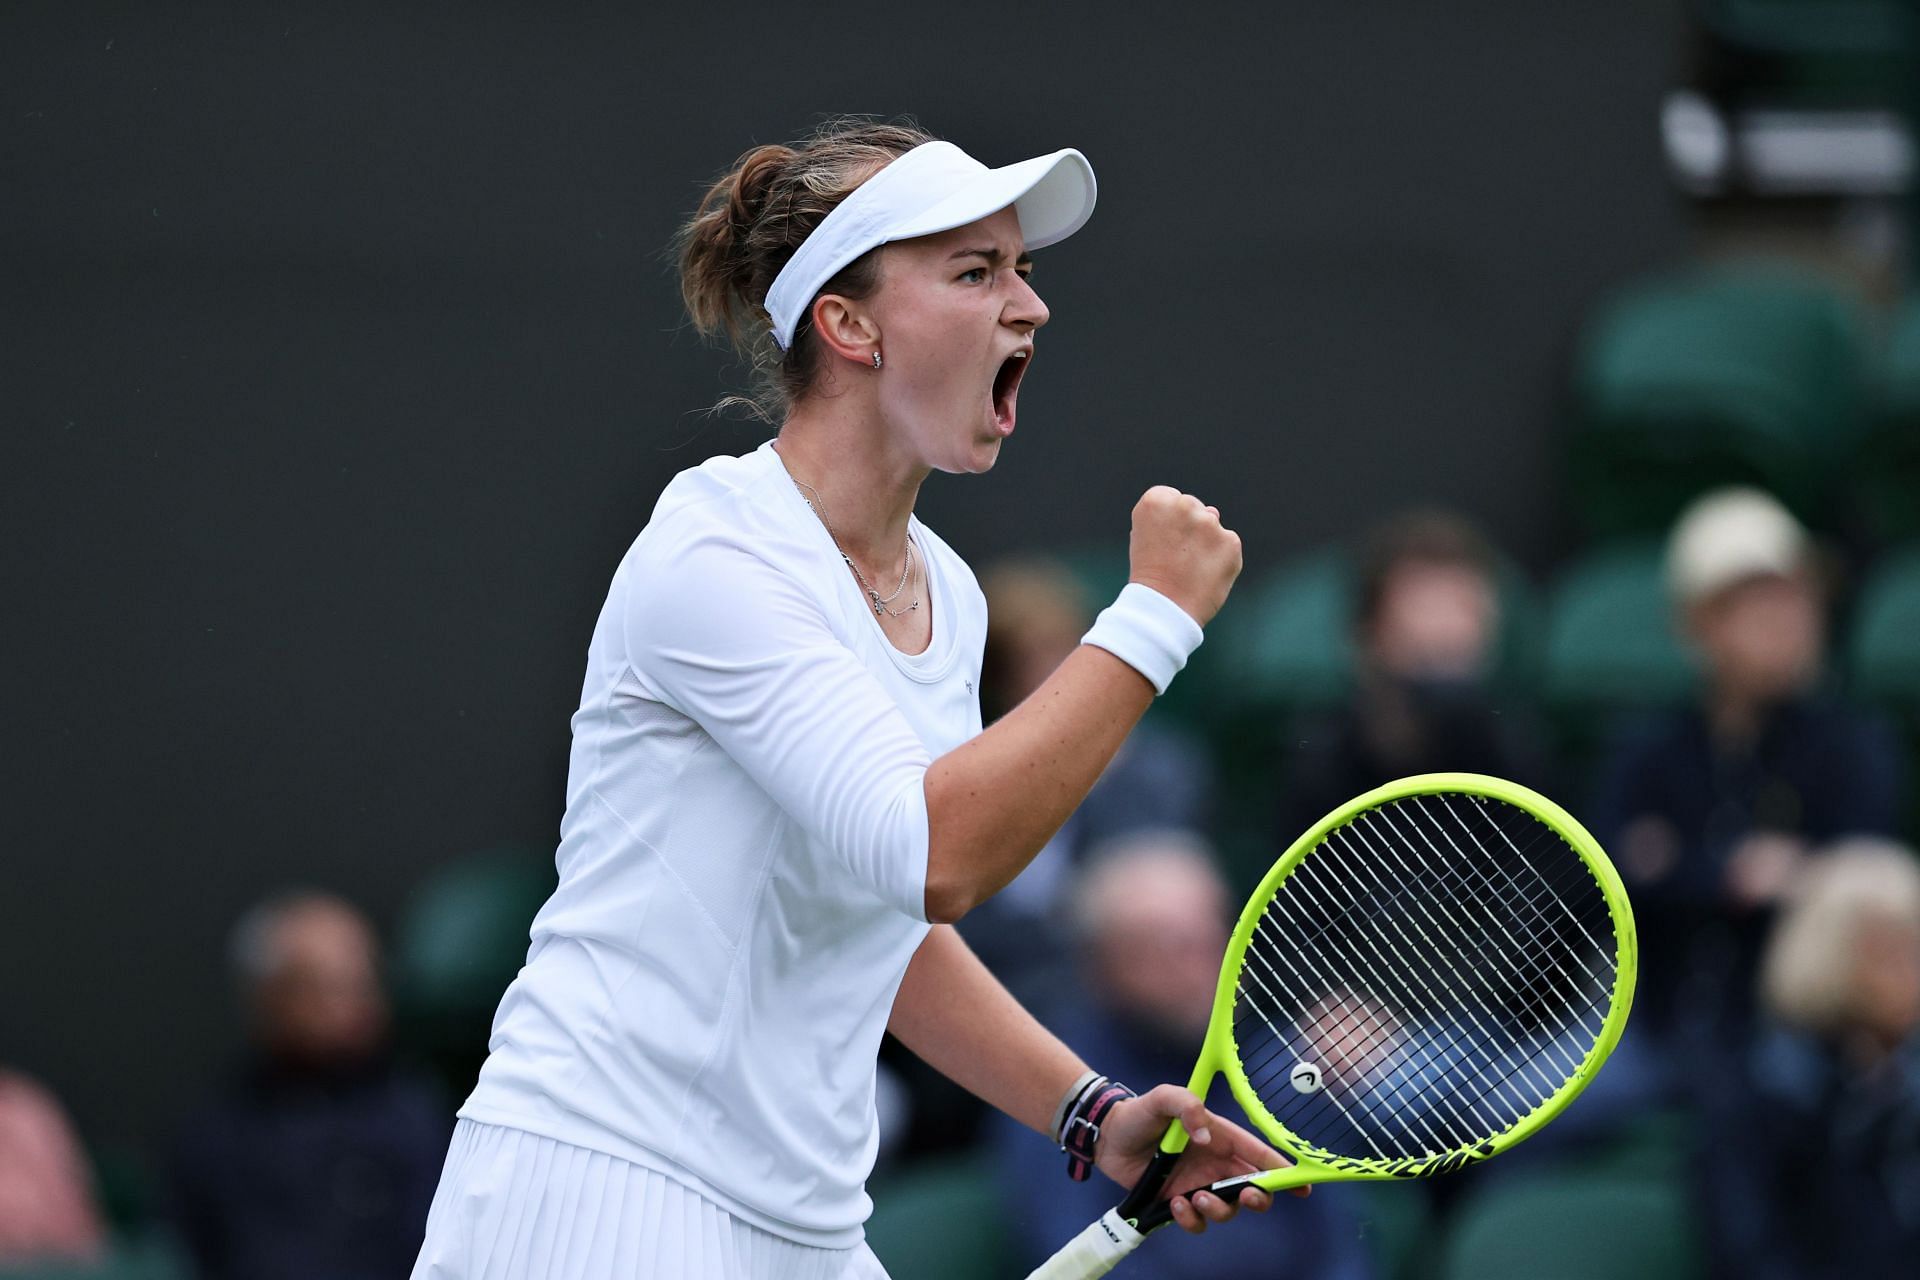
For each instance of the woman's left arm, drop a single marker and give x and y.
(955, 1016)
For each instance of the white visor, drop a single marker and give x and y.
(934, 187)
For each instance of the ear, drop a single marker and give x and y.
(845, 328)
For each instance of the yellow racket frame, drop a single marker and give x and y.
(1220, 1056)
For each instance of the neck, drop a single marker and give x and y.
(1737, 715)
(1867, 1051)
(843, 449)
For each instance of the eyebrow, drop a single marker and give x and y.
(993, 255)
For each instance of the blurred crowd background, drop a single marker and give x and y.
(1559, 365)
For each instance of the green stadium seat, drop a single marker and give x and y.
(147, 1257)
(1714, 376)
(1610, 642)
(1887, 475)
(1656, 1143)
(1287, 640)
(124, 1184)
(938, 1221)
(1574, 1227)
(461, 940)
(1884, 663)
(1189, 702)
(1396, 1226)
(1833, 54)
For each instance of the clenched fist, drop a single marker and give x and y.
(1180, 549)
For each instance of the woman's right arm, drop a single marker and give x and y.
(994, 801)
(719, 633)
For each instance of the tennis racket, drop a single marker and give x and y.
(1425, 978)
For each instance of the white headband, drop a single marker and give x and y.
(934, 187)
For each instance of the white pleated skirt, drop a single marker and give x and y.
(515, 1206)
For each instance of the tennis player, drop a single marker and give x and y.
(780, 796)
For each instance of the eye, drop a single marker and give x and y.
(1025, 273)
(977, 275)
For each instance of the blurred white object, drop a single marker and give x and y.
(1728, 536)
(1784, 153)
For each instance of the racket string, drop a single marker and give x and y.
(1551, 891)
(1434, 1073)
(1524, 982)
(1423, 1056)
(1437, 1009)
(1410, 890)
(1436, 1025)
(1421, 1053)
(1427, 1013)
(1283, 1043)
(1523, 956)
(1532, 867)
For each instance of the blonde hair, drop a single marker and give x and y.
(748, 225)
(1807, 974)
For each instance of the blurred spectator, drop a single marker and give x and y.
(319, 1159)
(1709, 810)
(47, 1208)
(1151, 919)
(1426, 630)
(1036, 614)
(1814, 1164)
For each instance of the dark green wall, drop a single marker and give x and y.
(341, 361)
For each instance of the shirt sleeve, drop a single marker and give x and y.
(741, 648)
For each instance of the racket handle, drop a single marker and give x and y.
(1093, 1252)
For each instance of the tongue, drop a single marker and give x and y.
(1003, 383)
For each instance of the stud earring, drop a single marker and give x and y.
(876, 359)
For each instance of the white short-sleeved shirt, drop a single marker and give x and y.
(743, 858)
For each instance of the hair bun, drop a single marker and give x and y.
(759, 169)
(756, 214)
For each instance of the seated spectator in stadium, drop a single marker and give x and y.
(47, 1209)
(319, 1159)
(1426, 626)
(1709, 810)
(1151, 920)
(1036, 614)
(1813, 1158)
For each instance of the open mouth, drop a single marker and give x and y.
(1006, 387)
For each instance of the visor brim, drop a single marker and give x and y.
(1053, 194)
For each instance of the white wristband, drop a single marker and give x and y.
(1148, 632)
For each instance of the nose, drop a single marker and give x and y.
(1025, 310)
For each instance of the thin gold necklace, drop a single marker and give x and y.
(879, 602)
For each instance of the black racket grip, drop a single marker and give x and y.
(1160, 1212)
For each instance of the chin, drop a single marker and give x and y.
(984, 457)
(977, 460)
